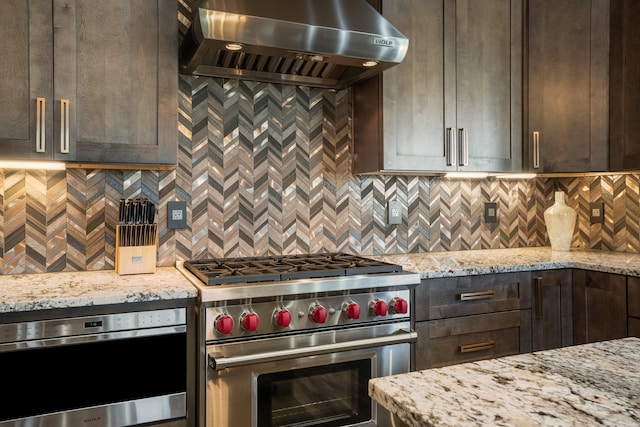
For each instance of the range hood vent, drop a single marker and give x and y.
(322, 43)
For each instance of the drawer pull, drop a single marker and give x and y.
(470, 348)
(477, 295)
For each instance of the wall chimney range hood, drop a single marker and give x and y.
(322, 43)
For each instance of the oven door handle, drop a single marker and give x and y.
(220, 363)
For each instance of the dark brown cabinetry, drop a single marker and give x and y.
(633, 305)
(551, 323)
(599, 304)
(625, 85)
(568, 86)
(103, 90)
(463, 319)
(455, 101)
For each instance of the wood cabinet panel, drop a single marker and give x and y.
(624, 109)
(25, 75)
(551, 324)
(113, 64)
(633, 296)
(463, 296)
(464, 339)
(599, 304)
(463, 70)
(568, 85)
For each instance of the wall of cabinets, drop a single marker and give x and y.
(85, 81)
(455, 103)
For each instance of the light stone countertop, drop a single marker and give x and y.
(591, 384)
(487, 261)
(29, 292)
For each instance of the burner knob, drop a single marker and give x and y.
(379, 307)
(318, 314)
(353, 310)
(398, 305)
(224, 324)
(250, 322)
(283, 318)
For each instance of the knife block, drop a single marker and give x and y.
(134, 258)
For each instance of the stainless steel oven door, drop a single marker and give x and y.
(318, 379)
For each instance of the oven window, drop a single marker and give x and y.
(50, 379)
(330, 395)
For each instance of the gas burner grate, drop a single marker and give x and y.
(287, 267)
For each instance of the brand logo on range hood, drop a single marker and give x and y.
(383, 42)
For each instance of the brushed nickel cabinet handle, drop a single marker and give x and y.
(471, 296)
(536, 150)
(470, 348)
(41, 143)
(463, 147)
(64, 126)
(537, 283)
(450, 146)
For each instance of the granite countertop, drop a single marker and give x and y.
(29, 292)
(591, 384)
(487, 261)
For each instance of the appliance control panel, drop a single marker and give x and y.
(281, 315)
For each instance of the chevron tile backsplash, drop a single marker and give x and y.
(266, 169)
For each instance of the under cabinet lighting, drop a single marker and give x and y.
(11, 164)
(516, 176)
(466, 175)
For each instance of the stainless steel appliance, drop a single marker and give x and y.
(310, 42)
(104, 370)
(294, 340)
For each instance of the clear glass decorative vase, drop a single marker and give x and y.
(560, 220)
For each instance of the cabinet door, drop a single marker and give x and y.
(568, 85)
(551, 310)
(599, 306)
(25, 76)
(633, 305)
(484, 91)
(413, 92)
(116, 64)
(625, 91)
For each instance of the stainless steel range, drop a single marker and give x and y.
(294, 340)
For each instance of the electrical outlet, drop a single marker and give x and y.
(597, 213)
(177, 215)
(490, 213)
(394, 211)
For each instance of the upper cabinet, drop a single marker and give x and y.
(568, 86)
(87, 81)
(624, 127)
(455, 103)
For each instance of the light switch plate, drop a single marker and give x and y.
(597, 213)
(177, 215)
(490, 213)
(394, 212)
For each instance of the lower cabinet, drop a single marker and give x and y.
(463, 319)
(599, 304)
(633, 306)
(551, 317)
(465, 339)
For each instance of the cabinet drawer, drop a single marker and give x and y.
(633, 295)
(464, 296)
(466, 339)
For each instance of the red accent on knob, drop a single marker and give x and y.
(380, 308)
(224, 324)
(353, 311)
(283, 318)
(319, 314)
(250, 322)
(399, 305)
